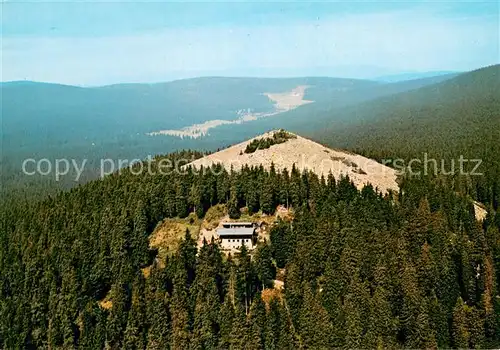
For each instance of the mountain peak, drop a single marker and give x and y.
(285, 150)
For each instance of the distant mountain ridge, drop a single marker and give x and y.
(45, 120)
(393, 78)
(459, 117)
(465, 92)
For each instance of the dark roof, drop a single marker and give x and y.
(237, 223)
(241, 231)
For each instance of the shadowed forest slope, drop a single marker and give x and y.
(359, 270)
(460, 116)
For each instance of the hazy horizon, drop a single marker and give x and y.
(398, 77)
(96, 44)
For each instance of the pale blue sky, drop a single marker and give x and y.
(112, 42)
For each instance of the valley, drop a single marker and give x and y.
(52, 121)
(283, 102)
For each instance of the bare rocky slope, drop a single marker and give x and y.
(306, 154)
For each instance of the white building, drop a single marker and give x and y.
(233, 234)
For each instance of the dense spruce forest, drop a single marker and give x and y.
(361, 269)
(457, 117)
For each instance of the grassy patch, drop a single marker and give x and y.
(168, 234)
(214, 215)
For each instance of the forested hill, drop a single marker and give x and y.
(412, 269)
(460, 116)
(58, 121)
(359, 270)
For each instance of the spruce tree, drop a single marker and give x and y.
(226, 321)
(232, 206)
(267, 198)
(181, 200)
(135, 332)
(315, 326)
(159, 331)
(266, 272)
(207, 300)
(257, 322)
(238, 330)
(139, 240)
(273, 326)
(179, 311)
(460, 334)
(117, 319)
